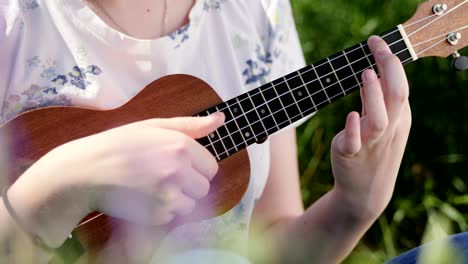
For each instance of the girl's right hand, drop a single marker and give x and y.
(145, 172)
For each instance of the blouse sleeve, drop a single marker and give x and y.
(11, 28)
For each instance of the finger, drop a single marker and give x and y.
(162, 202)
(161, 217)
(202, 160)
(194, 184)
(349, 140)
(376, 120)
(194, 127)
(182, 205)
(393, 78)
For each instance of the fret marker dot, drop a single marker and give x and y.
(328, 80)
(235, 109)
(299, 93)
(247, 134)
(212, 135)
(262, 111)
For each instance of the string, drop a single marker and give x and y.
(295, 103)
(441, 35)
(310, 96)
(257, 91)
(300, 114)
(439, 17)
(432, 46)
(388, 34)
(420, 20)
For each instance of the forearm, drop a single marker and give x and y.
(43, 207)
(325, 233)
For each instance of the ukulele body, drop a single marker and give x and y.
(34, 133)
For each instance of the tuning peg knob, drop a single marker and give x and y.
(460, 63)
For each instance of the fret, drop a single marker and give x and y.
(402, 54)
(350, 85)
(321, 85)
(216, 140)
(308, 74)
(204, 141)
(234, 128)
(345, 72)
(275, 105)
(228, 129)
(338, 94)
(286, 98)
(255, 120)
(370, 58)
(220, 149)
(207, 141)
(304, 92)
(313, 86)
(358, 59)
(398, 45)
(244, 126)
(225, 135)
(267, 114)
(292, 108)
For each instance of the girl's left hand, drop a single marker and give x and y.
(366, 155)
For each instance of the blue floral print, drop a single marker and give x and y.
(258, 68)
(41, 96)
(180, 35)
(93, 69)
(51, 90)
(212, 4)
(60, 80)
(34, 61)
(49, 73)
(28, 4)
(34, 97)
(78, 76)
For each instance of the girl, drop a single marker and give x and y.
(100, 53)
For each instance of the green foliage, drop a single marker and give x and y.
(432, 178)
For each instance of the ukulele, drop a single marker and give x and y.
(437, 29)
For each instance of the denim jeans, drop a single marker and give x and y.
(459, 242)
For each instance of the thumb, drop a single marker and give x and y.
(348, 141)
(195, 127)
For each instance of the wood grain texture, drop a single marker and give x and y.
(34, 133)
(429, 41)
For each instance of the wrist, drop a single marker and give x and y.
(359, 206)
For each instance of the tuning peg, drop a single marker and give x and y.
(460, 63)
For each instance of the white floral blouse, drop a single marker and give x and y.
(58, 52)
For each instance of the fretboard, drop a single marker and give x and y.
(253, 116)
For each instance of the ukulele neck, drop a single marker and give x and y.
(253, 116)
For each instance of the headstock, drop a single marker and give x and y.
(439, 28)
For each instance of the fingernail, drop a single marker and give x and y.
(369, 76)
(374, 39)
(381, 54)
(217, 115)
